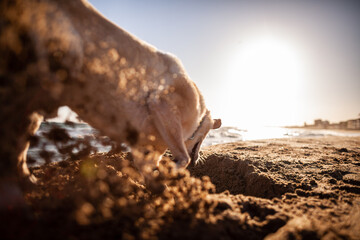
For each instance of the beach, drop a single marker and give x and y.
(265, 93)
(289, 188)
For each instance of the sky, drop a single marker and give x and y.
(268, 63)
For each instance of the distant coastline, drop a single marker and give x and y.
(352, 125)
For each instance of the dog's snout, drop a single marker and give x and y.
(181, 163)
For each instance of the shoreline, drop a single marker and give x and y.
(329, 129)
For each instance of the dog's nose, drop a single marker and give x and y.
(181, 163)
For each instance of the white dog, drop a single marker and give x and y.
(56, 53)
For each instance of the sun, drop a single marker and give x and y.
(265, 77)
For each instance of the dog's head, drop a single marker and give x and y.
(194, 142)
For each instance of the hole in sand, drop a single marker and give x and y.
(238, 177)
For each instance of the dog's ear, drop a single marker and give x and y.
(217, 123)
(167, 121)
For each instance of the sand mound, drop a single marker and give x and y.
(274, 189)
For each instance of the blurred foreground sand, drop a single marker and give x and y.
(306, 188)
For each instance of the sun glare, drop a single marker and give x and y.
(266, 74)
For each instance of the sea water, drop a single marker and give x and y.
(234, 134)
(222, 135)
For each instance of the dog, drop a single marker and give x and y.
(57, 53)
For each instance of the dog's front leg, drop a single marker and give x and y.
(167, 121)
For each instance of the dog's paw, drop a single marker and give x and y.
(11, 196)
(15, 213)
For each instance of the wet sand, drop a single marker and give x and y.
(305, 188)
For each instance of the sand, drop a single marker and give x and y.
(269, 189)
